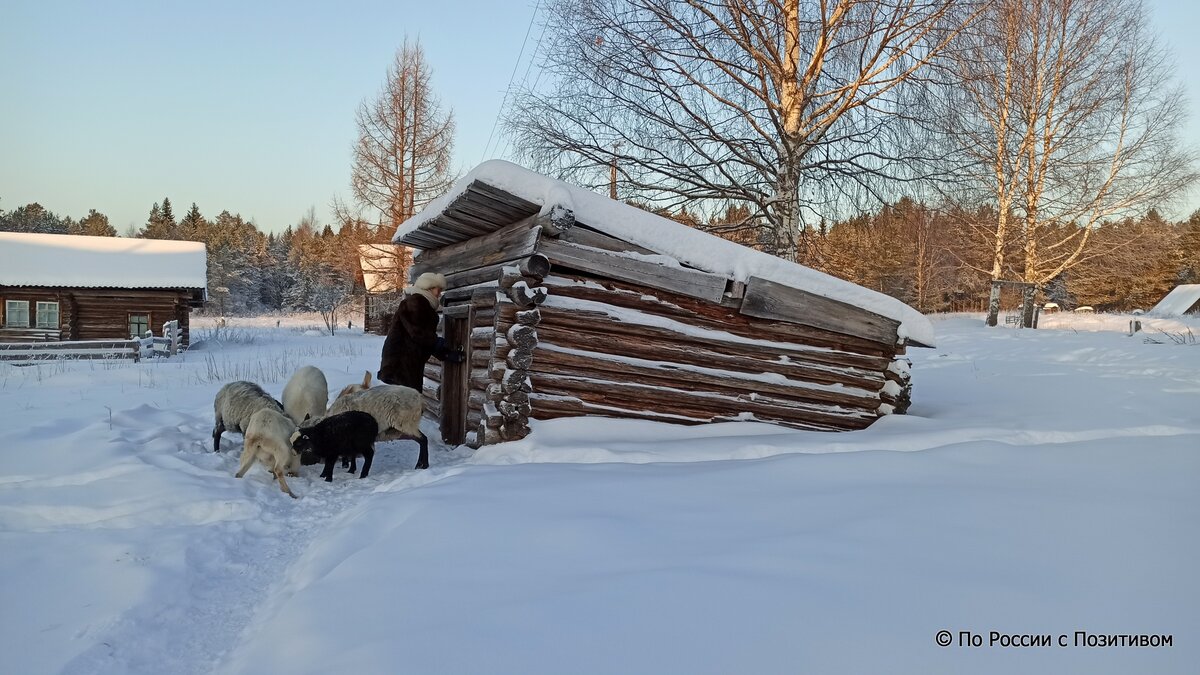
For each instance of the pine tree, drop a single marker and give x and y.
(94, 224)
(32, 218)
(192, 226)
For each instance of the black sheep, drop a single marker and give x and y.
(346, 435)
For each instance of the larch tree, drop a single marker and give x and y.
(405, 139)
(1066, 111)
(791, 108)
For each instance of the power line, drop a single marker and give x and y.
(513, 76)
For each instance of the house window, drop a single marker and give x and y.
(138, 325)
(47, 315)
(16, 314)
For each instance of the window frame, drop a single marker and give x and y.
(139, 334)
(37, 317)
(8, 313)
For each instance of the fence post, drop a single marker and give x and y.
(137, 349)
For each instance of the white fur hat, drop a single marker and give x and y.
(430, 280)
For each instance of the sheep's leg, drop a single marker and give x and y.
(347, 463)
(327, 474)
(217, 431)
(283, 484)
(353, 463)
(423, 459)
(368, 454)
(247, 460)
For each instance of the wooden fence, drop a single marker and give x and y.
(135, 349)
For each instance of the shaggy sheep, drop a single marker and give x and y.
(268, 436)
(351, 388)
(235, 404)
(346, 435)
(306, 394)
(396, 409)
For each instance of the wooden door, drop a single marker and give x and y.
(456, 376)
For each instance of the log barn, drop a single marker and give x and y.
(56, 287)
(568, 304)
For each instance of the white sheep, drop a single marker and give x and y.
(306, 394)
(396, 409)
(235, 404)
(268, 441)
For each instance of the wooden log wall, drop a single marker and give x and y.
(98, 314)
(618, 349)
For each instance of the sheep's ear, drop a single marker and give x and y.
(367, 380)
(307, 416)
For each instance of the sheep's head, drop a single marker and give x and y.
(302, 443)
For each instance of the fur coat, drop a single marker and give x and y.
(411, 340)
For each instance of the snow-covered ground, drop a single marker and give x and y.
(1044, 483)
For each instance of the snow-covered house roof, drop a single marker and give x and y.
(379, 263)
(1181, 299)
(521, 192)
(76, 261)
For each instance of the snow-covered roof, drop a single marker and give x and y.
(687, 245)
(379, 262)
(1179, 300)
(76, 261)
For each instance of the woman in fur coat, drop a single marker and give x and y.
(412, 338)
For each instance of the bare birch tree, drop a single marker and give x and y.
(784, 106)
(402, 157)
(1066, 110)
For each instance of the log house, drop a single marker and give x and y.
(58, 287)
(568, 303)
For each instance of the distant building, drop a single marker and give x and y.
(56, 287)
(383, 267)
(1183, 299)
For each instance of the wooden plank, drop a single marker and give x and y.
(767, 299)
(514, 241)
(586, 236)
(690, 283)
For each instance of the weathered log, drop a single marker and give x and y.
(767, 299)
(514, 380)
(573, 326)
(511, 314)
(619, 396)
(691, 283)
(708, 315)
(519, 359)
(515, 430)
(585, 236)
(496, 369)
(514, 241)
(511, 411)
(552, 362)
(523, 338)
(555, 220)
(657, 351)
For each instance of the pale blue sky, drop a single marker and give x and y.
(249, 106)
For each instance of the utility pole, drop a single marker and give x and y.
(612, 173)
